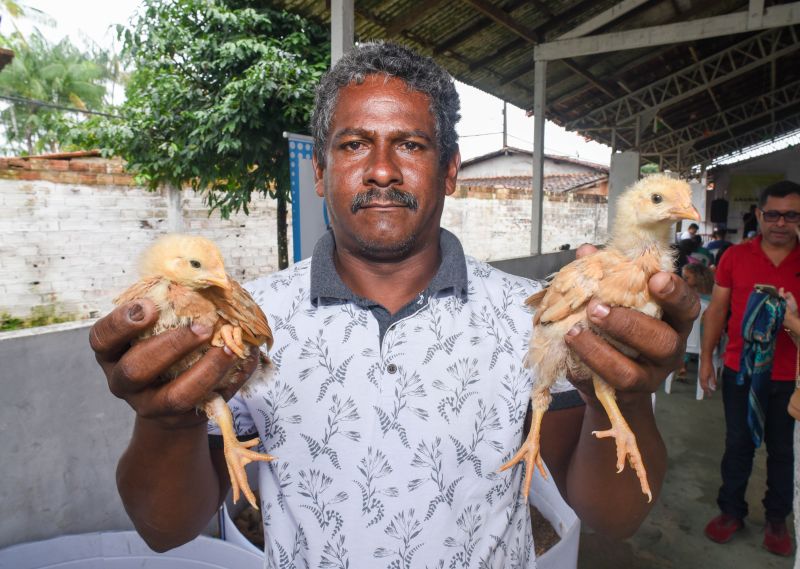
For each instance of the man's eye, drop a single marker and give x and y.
(352, 145)
(412, 146)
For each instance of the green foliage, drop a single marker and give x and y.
(58, 74)
(649, 168)
(215, 84)
(39, 316)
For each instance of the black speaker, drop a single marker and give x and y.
(719, 211)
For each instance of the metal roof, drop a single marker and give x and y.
(680, 104)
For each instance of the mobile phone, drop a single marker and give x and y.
(768, 289)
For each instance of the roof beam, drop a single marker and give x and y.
(602, 19)
(762, 106)
(504, 19)
(727, 24)
(408, 18)
(470, 31)
(713, 70)
(743, 141)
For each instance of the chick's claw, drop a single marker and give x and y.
(231, 336)
(237, 454)
(530, 452)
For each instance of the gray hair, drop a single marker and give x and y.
(419, 72)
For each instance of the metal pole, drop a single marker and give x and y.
(537, 195)
(342, 28)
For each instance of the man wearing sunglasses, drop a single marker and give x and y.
(771, 258)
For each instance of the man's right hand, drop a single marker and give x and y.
(708, 377)
(135, 372)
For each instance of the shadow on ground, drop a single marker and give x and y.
(672, 536)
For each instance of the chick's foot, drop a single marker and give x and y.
(623, 435)
(530, 452)
(237, 454)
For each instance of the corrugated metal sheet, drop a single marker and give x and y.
(495, 54)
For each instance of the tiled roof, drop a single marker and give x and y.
(552, 157)
(554, 184)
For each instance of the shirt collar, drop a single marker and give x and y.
(327, 284)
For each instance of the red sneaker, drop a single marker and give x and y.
(777, 539)
(722, 528)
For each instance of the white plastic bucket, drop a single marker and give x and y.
(125, 550)
(544, 495)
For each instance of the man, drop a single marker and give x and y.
(690, 232)
(771, 258)
(718, 244)
(397, 387)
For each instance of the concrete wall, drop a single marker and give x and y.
(495, 224)
(62, 433)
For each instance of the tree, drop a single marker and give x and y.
(214, 85)
(58, 74)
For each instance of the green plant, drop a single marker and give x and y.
(215, 84)
(39, 316)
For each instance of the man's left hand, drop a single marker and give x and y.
(660, 344)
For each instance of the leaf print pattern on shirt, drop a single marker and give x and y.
(434, 315)
(468, 524)
(280, 397)
(339, 412)
(484, 321)
(516, 381)
(288, 560)
(430, 457)
(373, 467)
(317, 347)
(334, 555)
(485, 421)
(464, 373)
(280, 323)
(405, 388)
(404, 528)
(313, 485)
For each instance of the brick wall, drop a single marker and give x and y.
(495, 224)
(71, 230)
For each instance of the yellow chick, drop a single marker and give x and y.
(184, 275)
(617, 276)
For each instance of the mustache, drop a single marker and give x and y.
(392, 195)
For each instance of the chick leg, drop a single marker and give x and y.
(237, 454)
(625, 439)
(530, 452)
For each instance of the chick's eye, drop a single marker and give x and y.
(656, 198)
(195, 264)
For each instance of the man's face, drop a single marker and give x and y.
(382, 181)
(780, 232)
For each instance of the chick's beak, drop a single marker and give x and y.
(218, 279)
(685, 212)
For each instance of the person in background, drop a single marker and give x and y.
(771, 258)
(700, 279)
(718, 243)
(690, 232)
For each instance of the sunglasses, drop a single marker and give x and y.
(772, 216)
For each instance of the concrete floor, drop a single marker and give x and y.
(672, 536)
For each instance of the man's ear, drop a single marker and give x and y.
(319, 177)
(451, 173)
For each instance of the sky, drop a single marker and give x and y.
(480, 129)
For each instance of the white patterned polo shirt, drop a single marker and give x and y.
(389, 429)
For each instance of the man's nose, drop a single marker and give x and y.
(382, 170)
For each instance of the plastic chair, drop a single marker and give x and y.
(693, 346)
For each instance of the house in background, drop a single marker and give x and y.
(492, 204)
